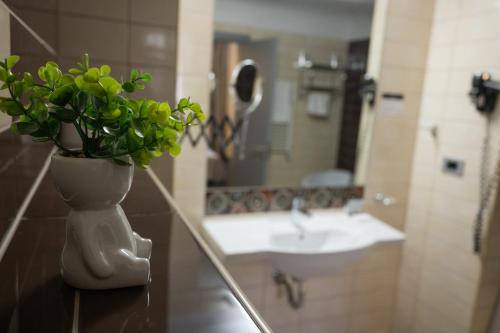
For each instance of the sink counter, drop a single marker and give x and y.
(189, 292)
(325, 241)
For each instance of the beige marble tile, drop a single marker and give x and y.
(160, 12)
(102, 40)
(110, 9)
(153, 45)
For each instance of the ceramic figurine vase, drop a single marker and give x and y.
(101, 249)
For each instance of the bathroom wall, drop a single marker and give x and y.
(444, 286)
(314, 141)
(4, 52)
(193, 66)
(398, 60)
(356, 299)
(122, 33)
(403, 50)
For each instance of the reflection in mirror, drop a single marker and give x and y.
(301, 83)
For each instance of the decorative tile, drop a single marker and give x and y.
(247, 200)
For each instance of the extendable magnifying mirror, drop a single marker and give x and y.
(246, 83)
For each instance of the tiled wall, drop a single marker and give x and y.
(402, 69)
(440, 276)
(402, 33)
(356, 299)
(4, 52)
(195, 35)
(125, 34)
(314, 141)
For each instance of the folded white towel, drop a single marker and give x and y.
(318, 103)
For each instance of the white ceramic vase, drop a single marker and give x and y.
(101, 250)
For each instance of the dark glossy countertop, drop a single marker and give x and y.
(187, 292)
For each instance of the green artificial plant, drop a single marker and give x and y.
(110, 124)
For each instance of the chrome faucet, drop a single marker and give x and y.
(299, 212)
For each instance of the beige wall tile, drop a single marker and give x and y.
(44, 23)
(406, 80)
(162, 87)
(412, 9)
(447, 10)
(153, 45)
(77, 35)
(159, 12)
(378, 320)
(405, 55)
(443, 32)
(114, 9)
(338, 324)
(431, 319)
(49, 5)
(402, 28)
(4, 52)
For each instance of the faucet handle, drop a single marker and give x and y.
(384, 200)
(299, 204)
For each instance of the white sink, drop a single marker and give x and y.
(332, 239)
(295, 242)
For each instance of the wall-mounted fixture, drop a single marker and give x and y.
(246, 89)
(453, 166)
(319, 95)
(368, 89)
(484, 96)
(304, 62)
(484, 92)
(383, 199)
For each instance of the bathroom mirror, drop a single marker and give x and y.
(295, 76)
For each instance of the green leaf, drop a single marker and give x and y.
(28, 79)
(75, 71)
(11, 61)
(146, 77)
(128, 87)
(92, 75)
(174, 150)
(67, 79)
(111, 86)
(134, 74)
(22, 127)
(10, 107)
(17, 89)
(51, 73)
(3, 74)
(54, 126)
(65, 115)
(41, 73)
(105, 70)
(62, 95)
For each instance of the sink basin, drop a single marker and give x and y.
(332, 239)
(294, 242)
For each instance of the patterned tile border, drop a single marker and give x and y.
(247, 200)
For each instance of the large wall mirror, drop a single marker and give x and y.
(287, 76)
